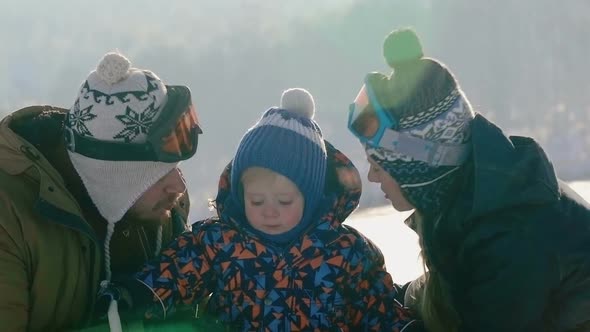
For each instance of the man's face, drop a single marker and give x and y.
(157, 202)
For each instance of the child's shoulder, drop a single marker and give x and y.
(360, 240)
(208, 225)
(352, 232)
(212, 225)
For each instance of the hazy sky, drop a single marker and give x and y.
(523, 64)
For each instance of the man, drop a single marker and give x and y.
(68, 177)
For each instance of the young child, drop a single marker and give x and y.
(278, 257)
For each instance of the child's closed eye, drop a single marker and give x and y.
(286, 203)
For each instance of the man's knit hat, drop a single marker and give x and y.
(425, 98)
(288, 141)
(117, 103)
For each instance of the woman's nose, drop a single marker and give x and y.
(371, 176)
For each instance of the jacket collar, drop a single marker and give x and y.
(508, 171)
(502, 173)
(19, 157)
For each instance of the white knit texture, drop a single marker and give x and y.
(292, 124)
(106, 102)
(117, 103)
(298, 100)
(113, 68)
(114, 186)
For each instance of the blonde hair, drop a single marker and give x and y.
(435, 305)
(253, 174)
(265, 175)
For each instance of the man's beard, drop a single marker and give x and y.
(154, 217)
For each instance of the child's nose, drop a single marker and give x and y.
(270, 211)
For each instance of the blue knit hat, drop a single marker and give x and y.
(286, 140)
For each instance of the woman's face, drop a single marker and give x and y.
(388, 185)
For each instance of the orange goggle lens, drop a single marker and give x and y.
(180, 142)
(364, 119)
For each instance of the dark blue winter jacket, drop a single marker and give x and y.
(514, 245)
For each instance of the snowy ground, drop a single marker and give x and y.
(399, 244)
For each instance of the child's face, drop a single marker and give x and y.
(273, 203)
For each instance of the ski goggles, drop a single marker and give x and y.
(173, 137)
(374, 126)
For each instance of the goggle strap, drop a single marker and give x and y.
(102, 150)
(421, 184)
(435, 154)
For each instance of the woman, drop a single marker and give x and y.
(506, 244)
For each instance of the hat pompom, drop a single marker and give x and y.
(298, 100)
(401, 46)
(113, 68)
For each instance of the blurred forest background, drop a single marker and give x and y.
(524, 64)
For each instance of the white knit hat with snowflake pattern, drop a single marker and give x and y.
(117, 103)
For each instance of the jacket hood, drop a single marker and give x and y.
(343, 189)
(508, 171)
(503, 174)
(20, 156)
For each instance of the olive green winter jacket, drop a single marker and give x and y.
(51, 258)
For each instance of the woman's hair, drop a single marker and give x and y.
(436, 307)
(435, 303)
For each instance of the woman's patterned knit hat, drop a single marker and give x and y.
(425, 97)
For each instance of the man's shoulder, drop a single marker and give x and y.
(17, 203)
(17, 187)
